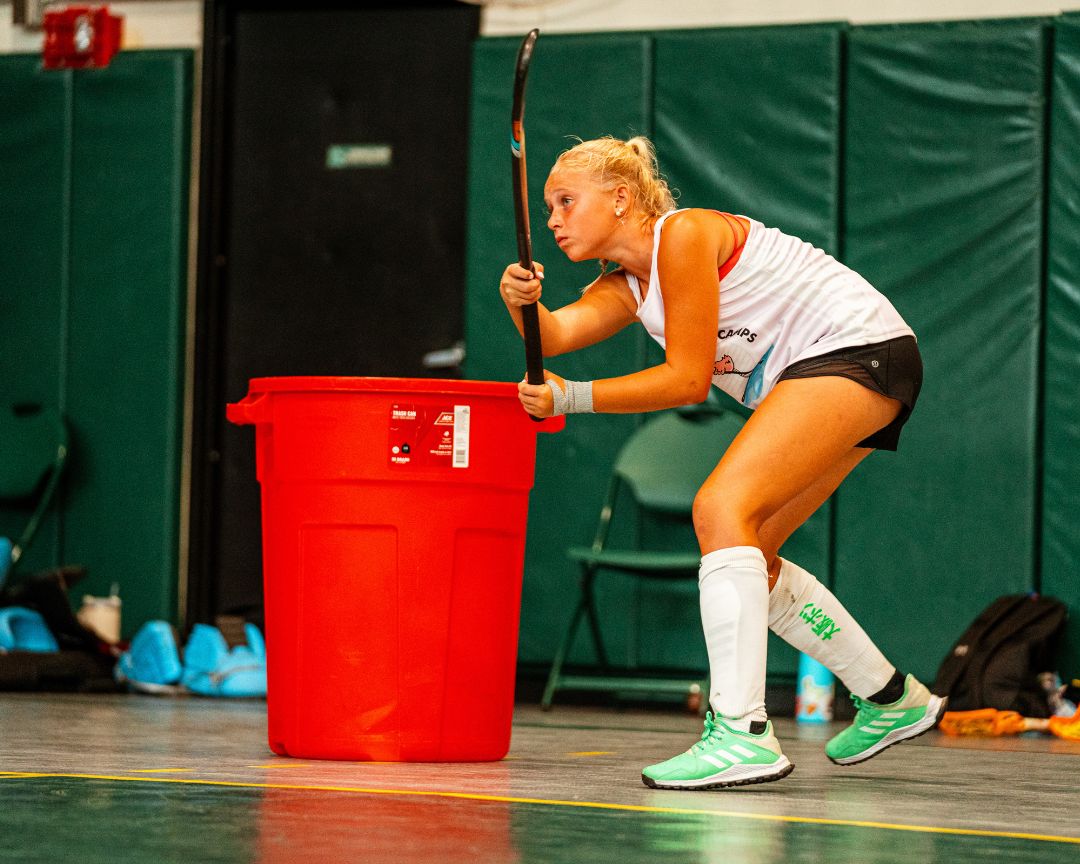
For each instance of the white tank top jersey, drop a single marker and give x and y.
(782, 302)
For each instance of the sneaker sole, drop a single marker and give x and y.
(777, 771)
(934, 709)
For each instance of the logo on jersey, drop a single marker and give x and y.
(726, 366)
(736, 333)
(755, 378)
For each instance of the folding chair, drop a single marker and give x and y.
(662, 465)
(33, 450)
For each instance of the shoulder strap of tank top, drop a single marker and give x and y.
(736, 253)
(656, 245)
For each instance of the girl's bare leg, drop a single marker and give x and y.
(792, 452)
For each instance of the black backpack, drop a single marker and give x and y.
(996, 663)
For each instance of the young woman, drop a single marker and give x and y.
(832, 372)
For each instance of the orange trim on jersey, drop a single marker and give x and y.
(736, 253)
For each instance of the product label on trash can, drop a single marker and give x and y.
(429, 435)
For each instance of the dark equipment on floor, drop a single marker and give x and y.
(997, 661)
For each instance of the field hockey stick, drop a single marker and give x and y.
(534, 355)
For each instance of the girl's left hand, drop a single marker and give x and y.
(537, 399)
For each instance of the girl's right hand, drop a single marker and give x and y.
(519, 287)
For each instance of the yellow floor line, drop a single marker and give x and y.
(592, 753)
(595, 805)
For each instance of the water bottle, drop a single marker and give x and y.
(814, 691)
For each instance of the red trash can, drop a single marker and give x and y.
(393, 523)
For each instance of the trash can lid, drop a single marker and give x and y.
(322, 384)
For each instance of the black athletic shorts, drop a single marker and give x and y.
(892, 368)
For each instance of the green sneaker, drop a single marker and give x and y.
(723, 757)
(879, 726)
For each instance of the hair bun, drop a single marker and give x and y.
(642, 147)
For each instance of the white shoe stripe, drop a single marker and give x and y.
(893, 714)
(872, 731)
(743, 751)
(719, 763)
(888, 724)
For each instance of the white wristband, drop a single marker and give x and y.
(576, 400)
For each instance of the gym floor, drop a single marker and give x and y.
(122, 778)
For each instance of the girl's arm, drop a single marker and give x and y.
(604, 309)
(691, 246)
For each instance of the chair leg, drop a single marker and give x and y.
(594, 619)
(560, 656)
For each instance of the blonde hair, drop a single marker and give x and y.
(611, 162)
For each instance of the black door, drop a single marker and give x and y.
(332, 215)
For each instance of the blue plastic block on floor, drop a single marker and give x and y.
(211, 669)
(152, 663)
(24, 629)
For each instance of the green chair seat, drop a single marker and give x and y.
(653, 563)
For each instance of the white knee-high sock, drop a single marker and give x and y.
(734, 587)
(805, 614)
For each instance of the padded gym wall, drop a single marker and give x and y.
(1061, 415)
(35, 178)
(736, 131)
(582, 86)
(944, 172)
(99, 178)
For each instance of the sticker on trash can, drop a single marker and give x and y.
(429, 436)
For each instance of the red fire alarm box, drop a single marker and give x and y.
(80, 36)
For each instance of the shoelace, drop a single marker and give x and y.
(714, 731)
(864, 709)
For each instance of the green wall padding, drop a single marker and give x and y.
(35, 177)
(97, 169)
(736, 131)
(583, 86)
(1061, 415)
(944, 167)
(126, 312)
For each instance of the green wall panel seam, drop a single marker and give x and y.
(66, 265)
(839, 233)
(68, 183)
(1039, 479)
(839, 182)
(1060, 429)
(177, 334)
